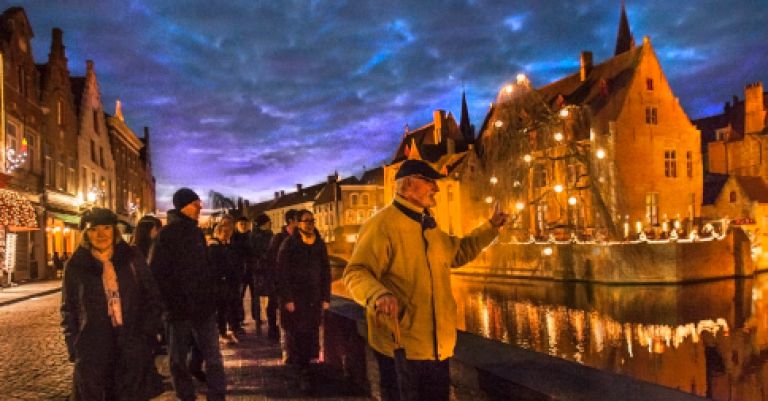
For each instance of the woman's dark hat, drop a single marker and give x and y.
(417, 167)
(97, 217)
(262, 219)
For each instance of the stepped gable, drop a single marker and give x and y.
(432, 146)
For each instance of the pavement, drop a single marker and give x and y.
(253, 366)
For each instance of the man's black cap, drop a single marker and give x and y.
(184, 197)
(417, 167)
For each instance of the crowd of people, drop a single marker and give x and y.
(175, 286)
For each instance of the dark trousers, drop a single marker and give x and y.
(272, 312)
(227, 307)
(431, 377)
(248, 285)
(203, 333)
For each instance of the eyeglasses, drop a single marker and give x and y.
(310, 221)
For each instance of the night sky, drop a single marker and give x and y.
(248, 97)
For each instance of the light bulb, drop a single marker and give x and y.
(572, 200)
(489, 199)
(558, 188)
(508, 89)
(498, 124)
(564, 112)
(519, 205)
(527, 158)
(547, 251)
(558, 136)
(600, 154)
(494, 180)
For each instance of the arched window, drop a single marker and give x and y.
(732, 197)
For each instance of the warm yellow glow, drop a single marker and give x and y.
(56, 229)
(564, 112)
(558, 136)
(498, 124)
(66, 230)
(558, 188)
(494, 180)
(527, 158)
(519, 205)
(351, 238)
(639, 227)
(508, 89)
(547, 251)
(521, 79)
(600, 154)
(489, 199)
(572, 200)
(91, 197)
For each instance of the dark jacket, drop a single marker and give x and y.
(179, 261)
(270, 258)
(225, 262)
(260, 241)
(304, 278)
(84, 318)
(241, 245)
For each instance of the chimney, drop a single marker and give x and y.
(298, 187)
(57, 44)
(754, 108)
(437, 115)
(586, 64)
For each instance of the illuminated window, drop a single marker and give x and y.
(670, 163)
(652, 207)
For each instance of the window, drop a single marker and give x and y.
(652, 208)
(11, 137)
(60, 175)
(651, 116)
(31, 151)
(93, 151)
(670, 163)
(59, 115)
(48, 168)
(84, 181)
(353, 199)
(689, 163)
(732, 197)
(541, 215)
(364, 199)
(540, 177)
(350, 217)
(101, 156)
(96, 127)
(649, 84)
(71, 176)
(360, 216)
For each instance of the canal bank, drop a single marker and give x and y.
(484, 369)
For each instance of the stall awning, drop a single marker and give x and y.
(16, 212)
(66, 218)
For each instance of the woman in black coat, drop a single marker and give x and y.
(304, 290)
(110, 310)
(229, 275)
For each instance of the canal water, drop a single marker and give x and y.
(710, 339)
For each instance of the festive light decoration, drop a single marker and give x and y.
(600, 154)
(527, 158)
(519, 205)
(572, 200)
(508, 89)
(558, 136)
(547, 251)
(558, 188)
(564, 113)
(16, 211)
(521, 78)
(489, 199)
(15, 160)
(498, 124)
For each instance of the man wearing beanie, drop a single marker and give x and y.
(180, 264)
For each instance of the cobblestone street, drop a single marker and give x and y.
(35, 367)
(32, 352)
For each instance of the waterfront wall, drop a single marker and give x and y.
(483, 369)
(640, 262)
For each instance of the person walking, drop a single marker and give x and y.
(270, 262)
(143, 237)
(110, 308)
(241, 244)
(186, 280)
(400, 271)
(304, 291)
(228, 279)
(263, 280)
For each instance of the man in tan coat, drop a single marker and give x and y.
(400, 269)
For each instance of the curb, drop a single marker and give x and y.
(29, 296)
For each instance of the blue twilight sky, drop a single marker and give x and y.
(247, 97)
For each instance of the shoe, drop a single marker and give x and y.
(200, 376)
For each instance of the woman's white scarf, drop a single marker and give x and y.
(111, 287)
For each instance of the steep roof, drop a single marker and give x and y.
(307, 194)
(326, 193)
(373, 176)
(713, 185)
(606, 84)
(424, 139)
(755, 187)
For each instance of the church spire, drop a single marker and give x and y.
(624, 39)
(467, 130)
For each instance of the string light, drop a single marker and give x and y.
(564, 112)
(494, 180)
(572, 200)
(521, 78)
(558, 136)
(527, 158)
(600, 154)
(508, 89)
(15, 160)
(519, 205)
(489, 199)
(558, 188)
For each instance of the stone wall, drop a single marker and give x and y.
(483, 369)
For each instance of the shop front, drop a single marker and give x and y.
(62, 234)
(18, 226)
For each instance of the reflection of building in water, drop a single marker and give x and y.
(704, 339)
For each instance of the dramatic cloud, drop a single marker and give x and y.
(249, 97)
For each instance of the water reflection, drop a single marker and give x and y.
(710, 339)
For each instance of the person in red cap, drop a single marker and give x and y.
(400, 272)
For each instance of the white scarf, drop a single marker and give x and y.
(111, 287)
